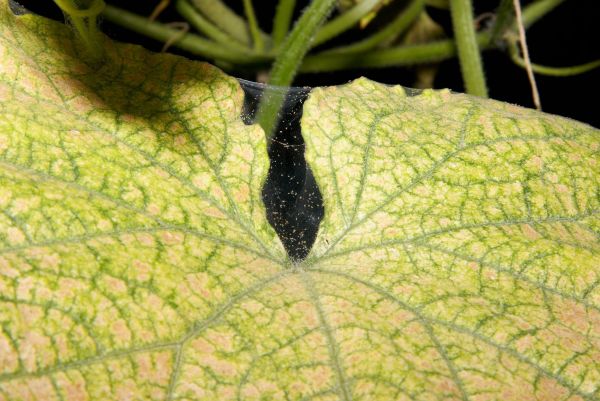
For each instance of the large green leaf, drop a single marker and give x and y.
(458, 258)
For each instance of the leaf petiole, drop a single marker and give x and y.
(84, 22)
(468, 50)
(289, 59)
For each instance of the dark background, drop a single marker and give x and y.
(568, 35)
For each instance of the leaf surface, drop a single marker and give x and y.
(458, 257)
(460, 249)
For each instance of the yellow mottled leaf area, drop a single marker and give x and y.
(458, 258)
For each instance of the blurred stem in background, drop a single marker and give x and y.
(551, 71)
(232, 41)
(468, 48)
(282, 21)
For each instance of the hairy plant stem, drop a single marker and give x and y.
(189, 42)
(468, 50)
(402, 21)
(289, 59)
(282, 21)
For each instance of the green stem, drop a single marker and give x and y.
(253, 24)
(393, 29)
(289, 59)
(345, 21)
(415, 54)
(189, 42)
(84, 22)
(505, 17)
(71, 8)
(552, 71)
(228, 21)
(205, 26)
(321, 62)
(393, 57)
(282, 21)
(468, 51)
(536, 10)
(82, 30)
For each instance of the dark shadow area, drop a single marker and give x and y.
(292, 198)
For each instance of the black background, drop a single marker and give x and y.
(569, 35)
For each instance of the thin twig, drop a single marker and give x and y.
(534, 89)
(182, 27)
(160, 7)
(344, 21)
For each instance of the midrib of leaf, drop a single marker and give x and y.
(266, 252)
(418, 242)
(363, 176)
(428, 174)
(162, 225)
(342, 380)
(235, 217)
(178, 345)
(416, 239)
(517, 275)
(317, 263)
(168, 170)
